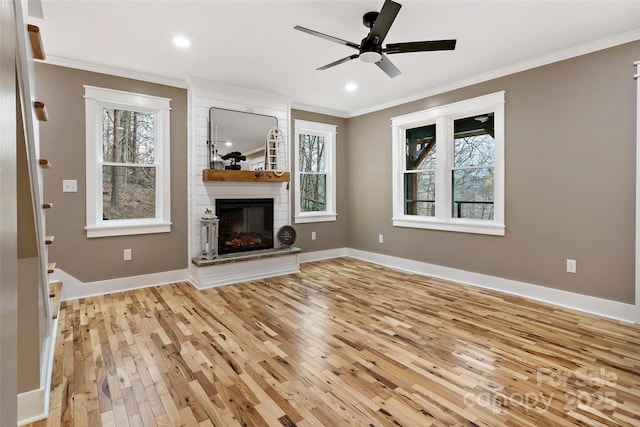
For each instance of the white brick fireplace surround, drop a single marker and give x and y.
(202, 96)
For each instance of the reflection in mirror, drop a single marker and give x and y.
(240, 131)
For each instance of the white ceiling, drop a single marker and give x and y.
(252, 44)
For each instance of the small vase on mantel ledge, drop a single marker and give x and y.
(216, 162)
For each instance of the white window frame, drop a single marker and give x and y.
(95, 99)
(443, 117)
(329, 133)
(637, 275)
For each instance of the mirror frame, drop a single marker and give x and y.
(238, 127)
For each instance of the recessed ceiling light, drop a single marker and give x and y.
(351, 87)
(228, 143)
(181, 42)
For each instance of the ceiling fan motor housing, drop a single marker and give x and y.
(370, 50)
(369, 18)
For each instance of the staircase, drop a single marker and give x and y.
(37, 295)
(36, 180)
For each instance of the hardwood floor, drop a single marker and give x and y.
(343, 343)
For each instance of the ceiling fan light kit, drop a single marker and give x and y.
(370, 57)
(370, 49)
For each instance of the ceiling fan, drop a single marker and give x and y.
(370, 49)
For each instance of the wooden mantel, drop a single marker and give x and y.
(246, 176)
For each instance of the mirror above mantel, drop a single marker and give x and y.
(240, 131)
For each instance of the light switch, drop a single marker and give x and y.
(69, 186)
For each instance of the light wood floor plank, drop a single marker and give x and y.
(342, 343)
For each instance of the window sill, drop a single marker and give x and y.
(461, 226)
(325, 217)
(127, 229)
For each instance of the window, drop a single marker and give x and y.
(448, 164)
(315, 164)
(128, 181)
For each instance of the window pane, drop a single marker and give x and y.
(421, 148)
(313, 194)
(127, 136)
(474, 144)
(128, 192)
(474, 151)
(472, 193)
(420, 193)
(312, 153)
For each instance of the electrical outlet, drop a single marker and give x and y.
(380, 238)
(69, 186)
(313, 235)
(571, 266)
(127, 254)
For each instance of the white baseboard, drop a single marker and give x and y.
(326, 254)
(33, 405)
(600, 306)
(73, 288)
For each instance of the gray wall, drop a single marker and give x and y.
(329, 235)
(570, 180)
(570, 173)
(63, 143)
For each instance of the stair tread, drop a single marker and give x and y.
(51, 266)
(55, 292)
(41, 111)
(49, 239)
(36, 41)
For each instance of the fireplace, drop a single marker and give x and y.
(245, 225)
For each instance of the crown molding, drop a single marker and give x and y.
(320, 110)
(233, 93)
(558, 56)
(113, 71)
(190, 82)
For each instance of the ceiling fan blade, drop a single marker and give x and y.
(339, 61)
(420, 46)
(384, 20)
(387, 66)
(327, 37)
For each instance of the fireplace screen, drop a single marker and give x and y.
(245, 224)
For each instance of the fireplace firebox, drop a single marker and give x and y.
(245, 225)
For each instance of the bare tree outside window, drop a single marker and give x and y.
(313, 174)
(473, 168)
(128, 164)
(471, 173)
(420, 175)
